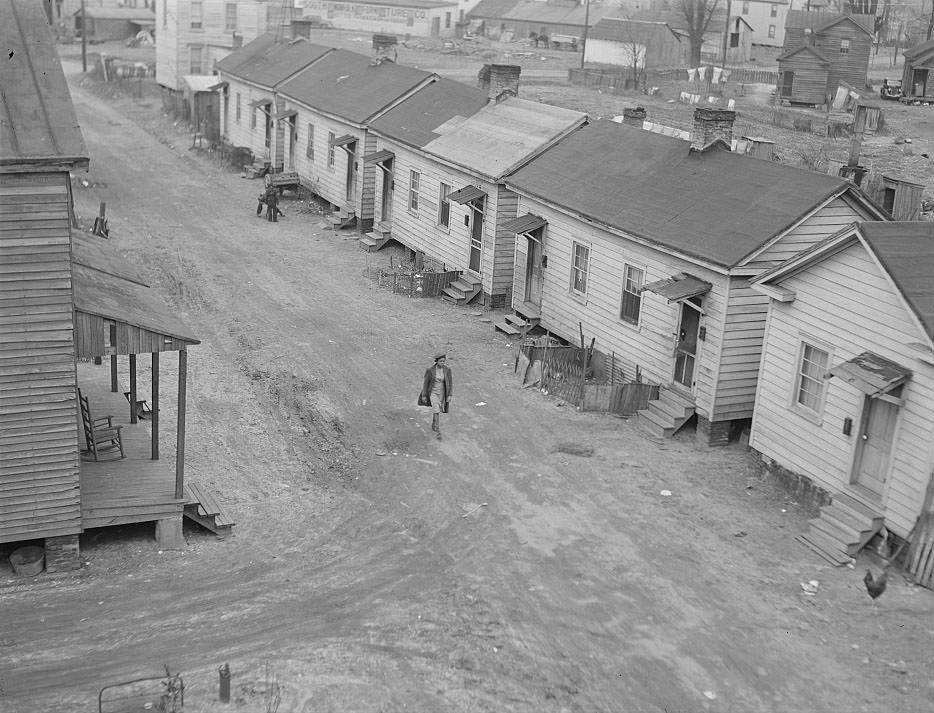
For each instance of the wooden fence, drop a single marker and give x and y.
(620, 79)
(418, 284)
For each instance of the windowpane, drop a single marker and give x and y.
(444, 206)
(230, 18)
(195, 57)
(310, 149)
(238, 107)
(632, 294)
(414, 178)
(844, 46)
(196, 14)
(331, 138)
(579, 268)
(811, 380)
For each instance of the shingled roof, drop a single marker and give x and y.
(353, 86)
(713, 205)
(277, 62)
(37, 118)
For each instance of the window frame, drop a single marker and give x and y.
(636, 295)
(816, 414)
(238, 107)
(310, 142)
(745, 7)
(576, 271)
(773, 10)
(331, 149)
(415, 181)
(196, 24)
(228, 27)
(772, 30)
(844, 45)
(444, 205)
(192, 50)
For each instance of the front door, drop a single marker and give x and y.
(686, 346)
(919, 81)
(351, 151)
(533, 272)
(476, 235)
(871, 465)
(436, 27)
(386, 208)
(292, 143)
(788, 83)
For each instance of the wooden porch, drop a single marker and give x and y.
(132, 489)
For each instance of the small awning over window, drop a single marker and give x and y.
(259, 103)
(872, 374)
(286, 114)
(679, 287)
(218, 86)
(466, 194)
(379, 156)
(524, 223)
(344, 140)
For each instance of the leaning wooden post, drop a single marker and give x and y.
(113, 373)
(155, 405)
(133, 415)
(180, 433)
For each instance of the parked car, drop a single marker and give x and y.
(891, 89)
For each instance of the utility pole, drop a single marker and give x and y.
(726, 34)
(84, 40)
(586, 27)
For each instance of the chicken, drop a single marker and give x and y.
(875, 585)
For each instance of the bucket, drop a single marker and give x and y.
(28, 561)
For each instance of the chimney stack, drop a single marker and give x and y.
(500, 81)
(710, 125)
(634, 116)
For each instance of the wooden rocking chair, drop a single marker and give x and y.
(103, 438)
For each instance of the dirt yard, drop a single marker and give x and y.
(528, 562)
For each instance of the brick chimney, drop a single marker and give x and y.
(711, 124)
(500, 80)
(634, 116)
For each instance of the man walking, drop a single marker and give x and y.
(437, 390)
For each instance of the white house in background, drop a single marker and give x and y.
(846, 387)
(247, 80)
(193, 35)
(767, 19)
(416, 18)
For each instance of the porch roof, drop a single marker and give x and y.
(378, 156)
(872, 374)
(524, 223)
(679, 287)
(266, 101)
(285, 114)
(343, 140)
(466, 194)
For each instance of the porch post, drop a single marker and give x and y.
(113, 373)
(180, 427)
(155, 405)
(133, 416)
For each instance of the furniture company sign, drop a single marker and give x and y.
(385, 13)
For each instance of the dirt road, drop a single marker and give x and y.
(367, 582)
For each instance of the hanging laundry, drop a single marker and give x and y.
(692, 74)
(731, 105)
(716, 75)
(725, 76)
(685, 98)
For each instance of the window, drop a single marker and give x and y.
(197, 13)
(194, 56)
(230, 16)
(331, 138)
(746, 8)
(253, 118)
(444, 206)
(632, 294)
(809, 390)
(165, 13)
(734, 39)
(238, 107)
(414, 178)
(310, 149)
(580, 268)
(447, 20)
(773, 11)
(772, 32)
(844, 46)
(888, 199)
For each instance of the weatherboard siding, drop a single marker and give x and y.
(327, 182)
(38, 421)
(368, 173)
(648, 346)
(242, 133)
(846, 303)
(503, 247)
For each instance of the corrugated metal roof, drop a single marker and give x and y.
(524, 223)
(416, 120)
(278, 62)
(502, 136)
(679, 287)
(201, 82)
(378, 156)
(872, 374)
(620, 29)
(466, 194)
(351, 85)
(919, 50)
(492, 8)
(714, 205)
(905, 250)
(37, 118)
(542, 13)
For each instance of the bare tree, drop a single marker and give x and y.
(697, 14)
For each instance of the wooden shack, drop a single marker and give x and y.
(803, 76)
(900, 198)
(639, 44)
(918, 73)
(100, 24)
(202, 105)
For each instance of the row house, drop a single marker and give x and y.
(647, 243)
(452, 203)
(326, 110)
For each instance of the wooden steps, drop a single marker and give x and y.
(202, 507)
(464, 289)
(515, 324)
(345, 217)
(842, 529)
(377, 238)
(666, 414)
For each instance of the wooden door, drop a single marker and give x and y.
(533, 272)
(476, 235)
(686, 346)
(292, 143)
(436, 27)
(919, 81)
(351, 152)
(386, 210)
(871, 466)
(788, 83)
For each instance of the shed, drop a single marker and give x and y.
(899, 197)
(640, 44)
(202, 104)
(846, 395)
(803, 76)
(523, 18)
(918, 72)
(845, 41)
(112, 23)
(419, 18)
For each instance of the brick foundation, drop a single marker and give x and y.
(800, 486)
(713, 433)
(62, 554)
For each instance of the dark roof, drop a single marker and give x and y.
(621, 29)
(714, 205)
(904, 249)
(133, 14)
(279, 62)
(37, 119)
(492, 8)
(246, 53)
(919, 50)
(351, 85)
(414, 120)
(817, 21)
(542, 13)
(98, 254)
(804, 48)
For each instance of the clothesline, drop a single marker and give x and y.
(717, 75)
